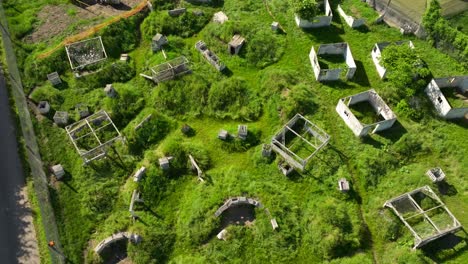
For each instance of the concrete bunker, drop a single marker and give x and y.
(212, 58)
(298, 141)
(93, 135)
(54, 78)
(220, 17)
(106, 245)
(235, 44)
(331, 61)
(377, 55)
(83, 53)
(43, 107)
(436, 174)
(350, 20)
(170, 70)
(61, 118)
(449, 96)
(424, 214)
(318, 21)
(371, 114)
(158, 42)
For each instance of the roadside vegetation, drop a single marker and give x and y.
(264, 86)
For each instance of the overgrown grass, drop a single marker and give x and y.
(317, 222)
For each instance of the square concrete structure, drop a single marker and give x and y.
(61, 118)
(170, 69)
(343, 185)
(436, 174)
(275, 26)
(377, 55)
(54, 78)
(235, 44)
(110, 91)
(242, 132)
(86, 52)
(223, 134)
(43, 107)
(340, 49)
(380, 107)
(298, 141)
(456, 88)
(124, 57)
(58, 171)
(266, 150)
(82, 110)
(212, 58)
(351, 21)
(93, 135)
(318, 21)
(220, 17)
(164, 163)
(424, 214)
(158, 42)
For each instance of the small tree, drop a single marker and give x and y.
(305, 9)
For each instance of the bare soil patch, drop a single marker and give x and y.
(55, 19)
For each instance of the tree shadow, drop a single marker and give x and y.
(330, 34)
(371, 141)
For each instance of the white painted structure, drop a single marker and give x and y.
(377, 55)
(381, 108)
(351, 21)
(332, 49)
(318, 21)
(459, 85)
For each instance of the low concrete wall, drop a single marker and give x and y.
(351, 21)
(441, 104)
(318, 21)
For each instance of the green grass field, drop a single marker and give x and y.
(318, 224)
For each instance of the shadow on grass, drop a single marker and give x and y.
(446, 248)
(66, 179)
(227, 72)
(360, 77)
(446, 189)
(395, 132)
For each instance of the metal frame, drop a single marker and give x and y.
(420, 241)
(99, 151)
(167, 70)
(70, 55)
(278, 141)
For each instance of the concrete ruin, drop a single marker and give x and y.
(82, 110)
(343, 185)
(318, 21)
(43, 107)
(135, 199)
(351, 21)
(340, 51)
(266, 150)
(158, 42)
(298, 141)
(144, 121)
(424, 214)
(139, 174)
(110, 91)
(54, 78)
(377, 55)
(58, 171)
(242, 132)
(223, 134)
(436, 174)
(93, 135)
(235, 201)
(195, 167)
(385, 116)
(124, 57)
(220, 17)
(186, 129)
(177, 12)
(449, 96)
(164, 162)
(275, 26)
(83, 53)
(235, 45)
(61, 118)
(133, 238)
(169, 70)
(212, 58)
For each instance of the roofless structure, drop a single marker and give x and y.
(170, 69)
(298, 141)
(424, 214)
(85, 52)
(93, 135)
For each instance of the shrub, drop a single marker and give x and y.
(122, 36)
(36, 70)
(305, 9)
(115, 72)
(185, 25)
(264, 48)
(232, 98)
(298, 100)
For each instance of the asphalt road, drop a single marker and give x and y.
(17, 237)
